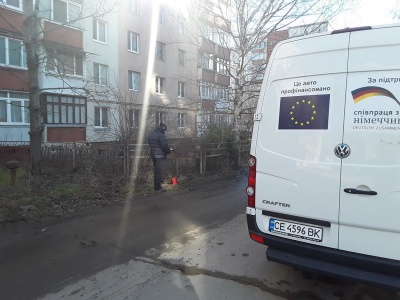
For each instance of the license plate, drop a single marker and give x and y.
(297, 230)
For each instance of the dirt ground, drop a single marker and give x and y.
(55, 194)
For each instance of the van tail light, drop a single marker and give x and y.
(251, 183)
(257, 238)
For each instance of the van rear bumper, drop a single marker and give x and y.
(334, 262)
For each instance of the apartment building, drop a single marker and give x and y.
(62, 78)
(158, 67)
(260, 55)
(214, 58)
(14, 97)
(106, 70)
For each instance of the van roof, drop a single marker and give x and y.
(338, 31)
(350, 29)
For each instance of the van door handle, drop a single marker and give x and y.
(355, 191)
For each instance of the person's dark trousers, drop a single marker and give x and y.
(158, 171)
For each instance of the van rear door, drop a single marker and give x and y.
(369, 222)
(302, 105)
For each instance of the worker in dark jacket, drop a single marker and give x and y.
(159, 149)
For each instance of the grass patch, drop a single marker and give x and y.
(56, 193)
(5, 178)
(65, 192)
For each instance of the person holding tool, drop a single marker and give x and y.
(159, 149)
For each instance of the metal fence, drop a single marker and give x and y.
(115, 158)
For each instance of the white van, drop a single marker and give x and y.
(324, 183)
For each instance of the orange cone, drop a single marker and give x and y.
(174, 181)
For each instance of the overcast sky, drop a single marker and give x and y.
(367, 12)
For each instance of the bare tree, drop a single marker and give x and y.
(32, 37)
(33, 32)
(396, 11)
(242, 25)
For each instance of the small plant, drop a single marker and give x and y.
(219, 134)
(65, 191)
(5, 178)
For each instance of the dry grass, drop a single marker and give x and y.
(55, 194)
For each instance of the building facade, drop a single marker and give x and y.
(214, 58)
(157, 68)
(111, 69)
(14, 97)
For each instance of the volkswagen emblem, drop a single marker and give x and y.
(342, 150)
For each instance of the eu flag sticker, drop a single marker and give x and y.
(304, 112)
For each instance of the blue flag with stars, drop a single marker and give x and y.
(304, 112)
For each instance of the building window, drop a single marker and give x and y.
(13, 4)
(181, 57)
(12, 53)
(14, 107)
(206, 91)
(62, 109)
(64, 62)
(101, 116)
(66, 11)
(133, 41)
(133, 6)
(222, 66)
(211, 33)
(221, 93)
(134, 80)
(261, 45)
(181, 89)
(100, 74)
(204, 61)
(160, 51)
(160, 83)
(222, 119)
(134, 118)
(181, 25)
(181, 120)
(207, 61)
(258, 56)
(161, 15)
(259, 71)
(99, 31)
(160, 117)
(226, 93)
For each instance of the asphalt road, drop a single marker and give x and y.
(177, 245)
